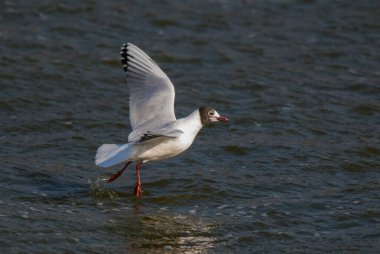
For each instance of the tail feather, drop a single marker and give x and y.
(112, 154)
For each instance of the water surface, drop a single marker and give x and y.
(296, 170)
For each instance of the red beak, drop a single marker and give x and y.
(223, 119)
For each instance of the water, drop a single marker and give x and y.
(296, 170)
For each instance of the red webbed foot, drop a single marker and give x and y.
(116, 175)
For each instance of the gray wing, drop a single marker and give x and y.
(140, 136)
(151, 94)
(168, 130)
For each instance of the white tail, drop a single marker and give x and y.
(112, 154)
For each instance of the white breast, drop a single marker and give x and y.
(162, 148)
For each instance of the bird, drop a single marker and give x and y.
(156, 132)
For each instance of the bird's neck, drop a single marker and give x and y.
(193, 122)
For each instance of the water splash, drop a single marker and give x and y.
(97, 188)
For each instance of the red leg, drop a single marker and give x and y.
(138, 190)
(116, 175)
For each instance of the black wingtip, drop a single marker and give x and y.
(123, 54)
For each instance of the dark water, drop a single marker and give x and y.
(296, 171)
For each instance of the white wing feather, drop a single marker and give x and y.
(163, 131)
(151, 94)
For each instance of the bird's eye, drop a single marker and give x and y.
(211, 113)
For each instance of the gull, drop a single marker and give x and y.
(156, 133)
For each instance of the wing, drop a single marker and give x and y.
(151, 94)
(140, 136)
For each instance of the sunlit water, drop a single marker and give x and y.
(297, 170)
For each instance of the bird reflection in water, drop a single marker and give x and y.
(173, 233)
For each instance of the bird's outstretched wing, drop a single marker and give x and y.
(151, 94)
